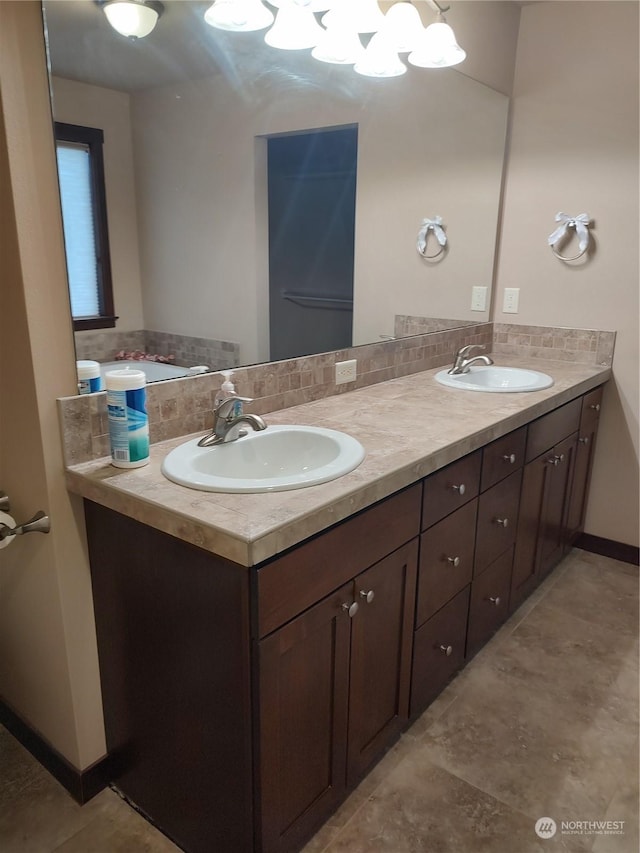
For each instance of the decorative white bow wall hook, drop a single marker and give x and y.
(434, 225)
(581, 224)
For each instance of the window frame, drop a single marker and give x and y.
(93, 138)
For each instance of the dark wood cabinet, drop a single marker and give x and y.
(243, 704)
(334, 695)
(585, 448)
(548, 489)
(303, 707)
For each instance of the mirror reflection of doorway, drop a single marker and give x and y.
(312, 202)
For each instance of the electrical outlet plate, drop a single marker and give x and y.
(478, 298)
(511, 298)
(346, 371)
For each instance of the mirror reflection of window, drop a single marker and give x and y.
(84, 219)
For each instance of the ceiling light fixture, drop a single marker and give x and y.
(296, 27)
(134, 19)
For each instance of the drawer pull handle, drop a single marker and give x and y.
(503, 522)
(446, 650)
(584, 440)
(461, 489)
(351, 609)
(510, 458)
(455, 561)
(368, 595)
(495, 600)
(595, 407)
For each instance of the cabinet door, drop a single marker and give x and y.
(381, 645)
(583, 463)
(489, 604)
(542, 523)
(497, 521)
(303, 675)
(554, 535)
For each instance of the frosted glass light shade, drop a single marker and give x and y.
(339, 45)
(316, 5)
(380, 59)
(403, 27)
(239, 16)
(131, 18)
(295, 28)
(437, 48)
(365, 16)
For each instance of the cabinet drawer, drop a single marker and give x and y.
(497, 520)
(502, 457)
(450, 488)
(446, 560)
(290, 584)
(552, 428)
(591, 404)
(489, 604)
(438, 651)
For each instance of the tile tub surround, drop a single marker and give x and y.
(188, 350)
(177, 407)
(409, 428)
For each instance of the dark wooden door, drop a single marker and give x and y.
(303, 675)
(535, 488)
(381, 645)
(553, 530)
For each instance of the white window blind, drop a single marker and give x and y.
(74, 173)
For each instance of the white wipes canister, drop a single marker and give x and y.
(127, 416)
(89, 376)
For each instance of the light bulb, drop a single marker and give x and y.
(239, 16)
(437, 48)
(132, 18)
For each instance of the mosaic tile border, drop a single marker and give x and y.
(181, 406)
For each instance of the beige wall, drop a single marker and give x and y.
(48, 658)
(574, 148)
(95, 106)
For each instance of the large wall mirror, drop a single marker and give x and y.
(195, 121)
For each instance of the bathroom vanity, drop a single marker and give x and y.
(245, 697)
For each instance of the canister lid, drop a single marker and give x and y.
(125, 379)
(88, 369)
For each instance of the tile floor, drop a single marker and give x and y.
(542, 723)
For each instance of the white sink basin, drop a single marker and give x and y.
(498, 380)
(274, 460)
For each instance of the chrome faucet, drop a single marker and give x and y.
(228, 417)
(464, 360)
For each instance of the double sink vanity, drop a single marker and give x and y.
(260, 652)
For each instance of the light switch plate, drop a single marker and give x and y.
(478, 298)
(511, 299)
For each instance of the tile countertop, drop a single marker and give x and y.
(409, 428)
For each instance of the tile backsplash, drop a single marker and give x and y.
(181, 406)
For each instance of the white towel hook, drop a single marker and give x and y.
(434, 225)
(581, 225)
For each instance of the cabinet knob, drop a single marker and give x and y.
(460, 489)
(510, 458)
(446, 650)
(584, 440)
(368, 595)
(455, 561)
(553, 460)
(503, 522)
(495, 600)
(595, 407)
(351, 609)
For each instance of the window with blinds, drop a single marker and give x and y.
(84, 219)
